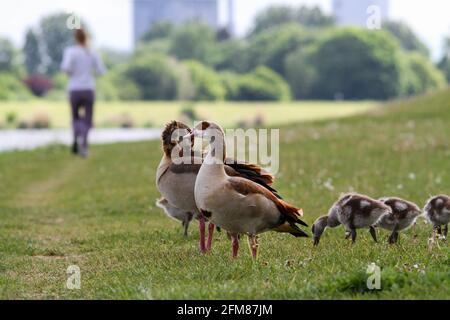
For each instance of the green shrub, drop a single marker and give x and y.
(154, 76)
(444, 66)
(270, 48)
(230, 82)
(12, 88)
(263, 84)
(301, 73)
(196, 41)
(11, 118)
(188, 111)
(233, 55)
(106, 89)
(358, 64)
(125, 88)
(421, 75)
(207, 83)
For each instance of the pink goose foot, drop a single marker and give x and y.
(211, 227)
(253, 246)
(201, 225)
(235, 245)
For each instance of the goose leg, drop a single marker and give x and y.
(445, 231)
(210, 236)
(253, 245)
(201, 225)
(394, 235)
(415, 229)
(353, 234)
(185, 225)
(347, 234)
(234, 245)
(373, 233)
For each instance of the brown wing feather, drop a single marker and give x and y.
(246, 187)
(251, 171)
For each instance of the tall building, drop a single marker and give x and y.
(147, 12)
(354, 12)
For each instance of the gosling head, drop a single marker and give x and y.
(318, 228)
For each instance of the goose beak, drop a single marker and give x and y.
(193, 134)
(190, 135)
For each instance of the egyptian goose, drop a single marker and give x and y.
(176, 181)
(354, 211)
(239, 205)
(175, 213)
(403, 214)
(437, 212)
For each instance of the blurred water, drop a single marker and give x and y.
(30, 139)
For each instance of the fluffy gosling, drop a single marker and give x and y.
(354, 211)
(175, 213)
(437, 212)
(403, 215)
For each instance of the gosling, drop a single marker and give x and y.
(175, 213)
(403, 215)
(354, 211)
(437, 212)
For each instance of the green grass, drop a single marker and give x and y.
(56, 210)
(159, 113)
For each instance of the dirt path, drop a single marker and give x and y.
(32, 139)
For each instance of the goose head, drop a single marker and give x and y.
(173, 134)
(318, 228)
(214, 135)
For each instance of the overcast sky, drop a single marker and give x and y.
(112, 25)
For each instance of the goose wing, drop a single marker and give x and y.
(247, 187)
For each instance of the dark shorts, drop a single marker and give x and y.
(82, 100)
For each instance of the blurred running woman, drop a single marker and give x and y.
(81, 64)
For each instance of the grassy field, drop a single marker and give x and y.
(158, 113)
(99, 214)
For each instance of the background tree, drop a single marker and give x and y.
(356, 63)
(271, 47)
(273, 17)
(8, 57)
(55, 37)
(154, 75)
(426, 76)
(233, 55)
(444, 64)
(194, 41)
(301, 72)
(406, 36)
(207, 83)
(159, 30)
(263, 84)
(32, 53)
(312, 17)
